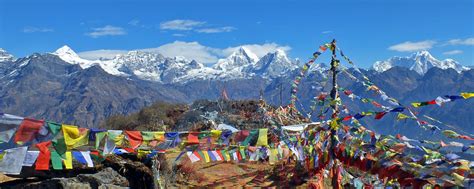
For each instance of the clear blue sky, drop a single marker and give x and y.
(367, 30)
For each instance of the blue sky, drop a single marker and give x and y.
(367, 30)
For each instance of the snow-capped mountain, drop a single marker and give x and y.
(152, 66)
(5, 56)
(237, 60)
(144, 65)
(273, 65)
(420, 62)
(69, 56)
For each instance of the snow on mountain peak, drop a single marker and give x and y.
(68, 55)
(243, 50)
(237, 60)
(65, 50)
(273, 65)
(5, 56)
(420, 62)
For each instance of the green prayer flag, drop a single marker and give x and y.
(56, 160)
(147, 135)
(98, 137)
(224, 154)
(252, 135)
(54, 127)
(60, 145)
(242, 153)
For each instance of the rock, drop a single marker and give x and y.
(107, 178)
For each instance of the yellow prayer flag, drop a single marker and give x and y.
(160, 136)
(334, 124)
(273, 156)
(226, 154)
(467, 95)
(118, 140)
(68, 160)
(401, 116)
(206, 157)
(216, 134)
(416, 104)
(74, 137)
(458, 179)
(262, 137)
(143, 153)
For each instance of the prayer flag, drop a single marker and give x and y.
(42, 162)
(75, 136)
(220, 155)
(193, 138)
(79, 157)
(398, 109)
(379, 115)
(87, 157)
(440, 100)
(262, 137)
(28, 130)
(56, 160)
(148, 135)
(98, 138)
(8, 126)
(206, 156)
(401, 116)
(226, 155)
(68, 160)
(216, 134)
(250, 138)
(12, 161)
(135, 138)
(467, 95)
(211, 155)
(160, 136)
(416, 104)
(241, 135)
(450, 134)
(30, 158)
(242, 152)
(192, 157)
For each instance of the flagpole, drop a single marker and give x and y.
(335, 112)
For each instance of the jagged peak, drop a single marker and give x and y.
(420, 62)
(246, 52)
(5, 56)
(65, 50)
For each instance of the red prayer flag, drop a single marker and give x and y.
(220, 155)
(379, 115)
(42, 162)
(376, 104)
(347, 92)
(465, 137)
(135, 138)
(197, 154)
(193, 138)
(347, 118)
(432, 102)
(241, 135)
(28, 130)
(129, 150)
(238, 155)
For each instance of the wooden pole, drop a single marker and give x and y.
(335, 114)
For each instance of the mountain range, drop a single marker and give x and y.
(63, 86)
